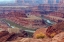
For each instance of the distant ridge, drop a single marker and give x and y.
(30, 2)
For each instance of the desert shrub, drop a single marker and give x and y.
(52, 35)
(40, 35)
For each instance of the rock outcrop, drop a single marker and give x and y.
(56, 28)
(58, 38)
(32, 40)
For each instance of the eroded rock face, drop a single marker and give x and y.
(6, 36)
(33, 40)
(57, 28)
(58, 38)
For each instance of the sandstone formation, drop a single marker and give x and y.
(6, 36)
(58, 38)
(32, 40)
(56, 32)
(56, 28)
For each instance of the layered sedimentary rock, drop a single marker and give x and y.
(32, 40)
(3, 33)
(58, 38)
(6, 36)
(55, 29)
